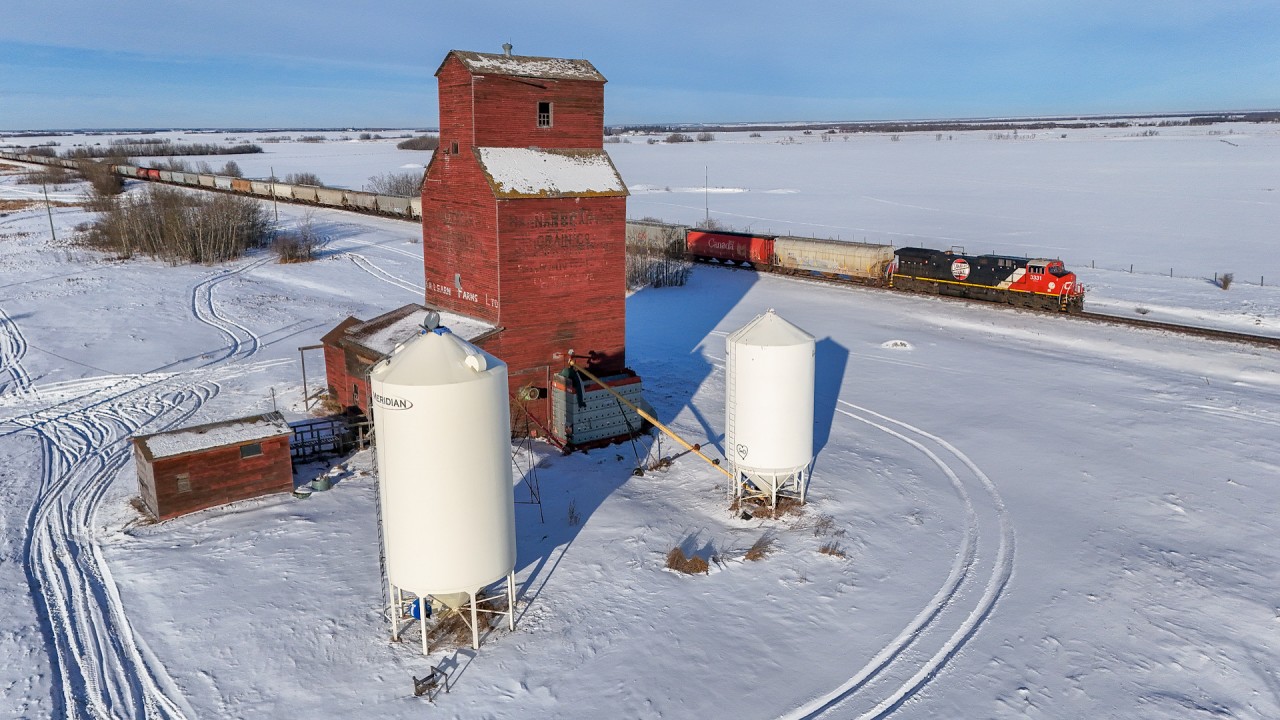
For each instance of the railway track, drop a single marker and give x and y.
(1192, 330)
(1227, 335)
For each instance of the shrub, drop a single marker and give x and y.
(655, 256)
(1225, 280)
(705, 137)
(180, 227)
(102, 182)
(573, 517)
(303, 178)
(833, 549)
(365, 136)
(48, 176)
(676, 560)
(421, 142)
(678, 138)
(231, 169)
(312, 139)
(754, 134)
(404, 184)
(299, 244)
(760, 549)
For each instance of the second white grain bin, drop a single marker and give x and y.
(443, 437)
(769, 408)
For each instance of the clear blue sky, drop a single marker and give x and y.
(320, 63)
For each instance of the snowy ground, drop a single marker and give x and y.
(1038, 518)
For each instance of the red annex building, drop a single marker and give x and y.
(524, 231)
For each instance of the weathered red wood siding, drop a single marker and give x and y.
(549, 271)
(507, 112)
(217, 476)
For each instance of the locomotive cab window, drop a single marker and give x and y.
(1035, 269)
(544, 114)
(1057, 270)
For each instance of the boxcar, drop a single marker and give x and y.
(857, 261)
(205, 180)
(415, 207)
(730, 247)
(222, 182)
(260, 187)
(240, 186)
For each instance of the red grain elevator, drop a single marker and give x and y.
(524, 228)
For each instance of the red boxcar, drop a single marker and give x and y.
(730, 246)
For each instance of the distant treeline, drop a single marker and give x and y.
(134, 147)
(898, 126)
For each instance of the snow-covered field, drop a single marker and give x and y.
(1037, 518)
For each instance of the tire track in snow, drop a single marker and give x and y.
(13, 348)
(955, 612)
(103, 668)
(241, 341)
(366, 265)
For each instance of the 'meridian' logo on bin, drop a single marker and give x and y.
(391, 403)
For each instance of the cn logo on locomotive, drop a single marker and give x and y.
(960, 269)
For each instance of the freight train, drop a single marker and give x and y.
(393, 205)
(1042, 284)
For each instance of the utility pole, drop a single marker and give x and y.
(706, 193)
(48, 209)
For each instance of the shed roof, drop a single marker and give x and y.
(381, 335)
(212, 435)
(535, 173)
(526, 66)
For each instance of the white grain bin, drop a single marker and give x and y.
(443, 435)
(769, 407)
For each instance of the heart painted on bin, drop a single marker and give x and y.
(742, 451)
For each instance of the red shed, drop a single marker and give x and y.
(181, 471)
(524, 219)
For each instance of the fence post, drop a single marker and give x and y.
(1130, 268)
